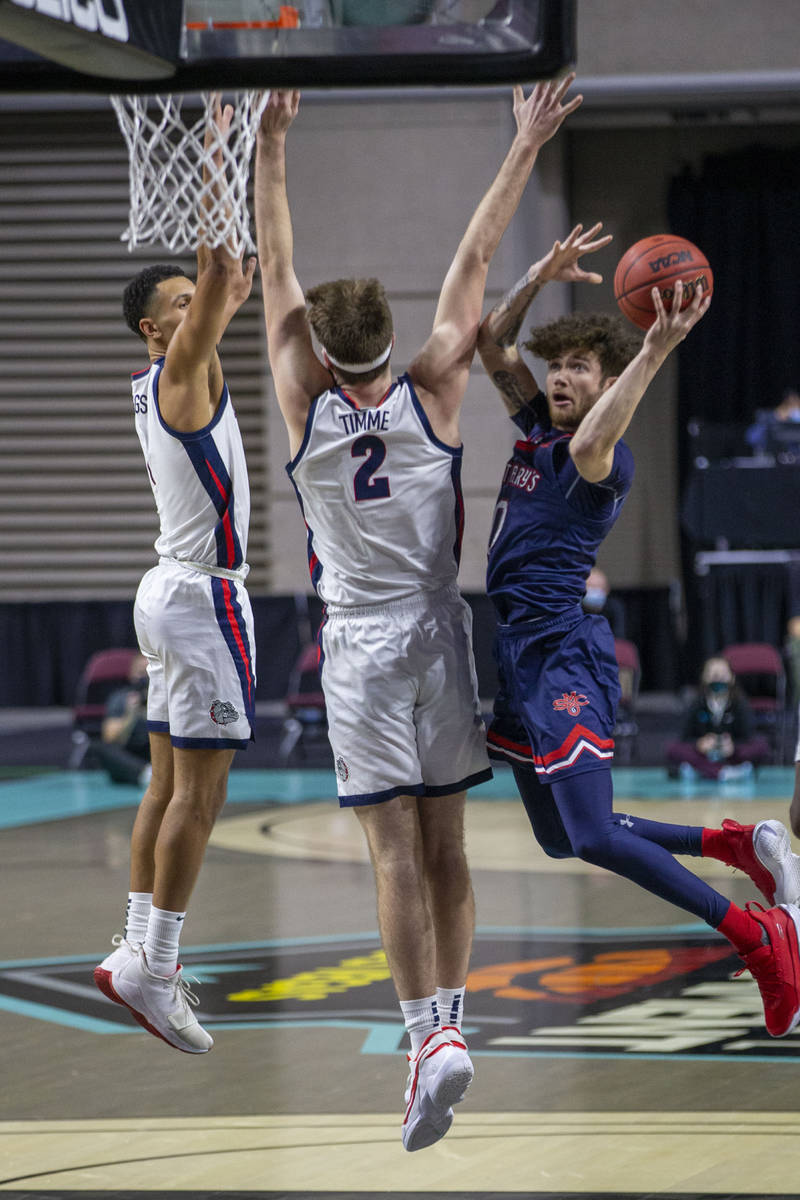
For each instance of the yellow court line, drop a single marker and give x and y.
(582, 1152)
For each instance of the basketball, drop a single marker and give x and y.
(659, 261)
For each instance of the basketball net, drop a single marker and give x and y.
(182, 192)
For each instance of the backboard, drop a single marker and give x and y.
(192, 45)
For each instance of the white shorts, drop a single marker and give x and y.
(402, 699)
(196, 632)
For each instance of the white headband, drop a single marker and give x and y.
(361, 368)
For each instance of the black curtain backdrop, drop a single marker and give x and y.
(46, 645)
(742, 209)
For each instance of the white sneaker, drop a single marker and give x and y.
(160, 1005)
(122, 954)
(773, 850)
(439, 1076)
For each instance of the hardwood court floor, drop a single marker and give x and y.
(616, 1052)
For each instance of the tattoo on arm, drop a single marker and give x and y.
(511, 310)
(513, 395)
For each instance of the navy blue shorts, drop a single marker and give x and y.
(559, 690)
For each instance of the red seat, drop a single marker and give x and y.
(104, 672)
(761, 675)
(305, 703)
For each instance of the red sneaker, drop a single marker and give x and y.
(776, 966)
(741, 853)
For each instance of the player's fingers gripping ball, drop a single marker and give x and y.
(659, 261)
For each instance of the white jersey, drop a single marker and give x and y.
(381, 498)
(199, 480)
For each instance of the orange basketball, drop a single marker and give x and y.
(659, 261)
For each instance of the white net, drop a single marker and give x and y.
(187, 186)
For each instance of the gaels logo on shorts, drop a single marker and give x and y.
(222, 713)
(571, 702)
(342, 769)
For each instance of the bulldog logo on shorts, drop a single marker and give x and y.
(222, 713)
(342, 769)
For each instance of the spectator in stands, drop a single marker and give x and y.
(124, 748)
(599, 599)
(759, 435)
(718, 741)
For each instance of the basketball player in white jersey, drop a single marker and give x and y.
(375, 463)
(193, 622)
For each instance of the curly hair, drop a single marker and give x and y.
(609, 337)
(138, 295)
(353, 321)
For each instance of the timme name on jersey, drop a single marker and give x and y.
(199, 480)
(381, 498)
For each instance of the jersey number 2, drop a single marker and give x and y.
(364, 485)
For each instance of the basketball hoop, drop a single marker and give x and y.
(182, 192)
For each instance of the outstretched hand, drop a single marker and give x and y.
(561, 264)
(280, 111)
(541, 114)
(242, 284)
(218, 127)
(670, 328)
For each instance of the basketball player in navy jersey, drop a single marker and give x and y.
(562, 490)
(375, 463)
(193, 622)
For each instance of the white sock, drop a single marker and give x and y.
(137, 916)
(451, 1006)
(162, 939)
(421, 1018)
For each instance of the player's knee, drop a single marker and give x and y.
(447, 860)
(595, 846)
(560, 848)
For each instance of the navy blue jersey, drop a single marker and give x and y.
(548, 523)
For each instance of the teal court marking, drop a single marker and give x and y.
(78, 793)
(64, 794)
(381, 1036)
(653, 783)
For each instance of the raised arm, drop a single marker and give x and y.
(442, 366)
(592, 446)
(297, 372)
(497, 336)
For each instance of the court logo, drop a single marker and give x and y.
(556, 993)
(222, 712)
(571, 702)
